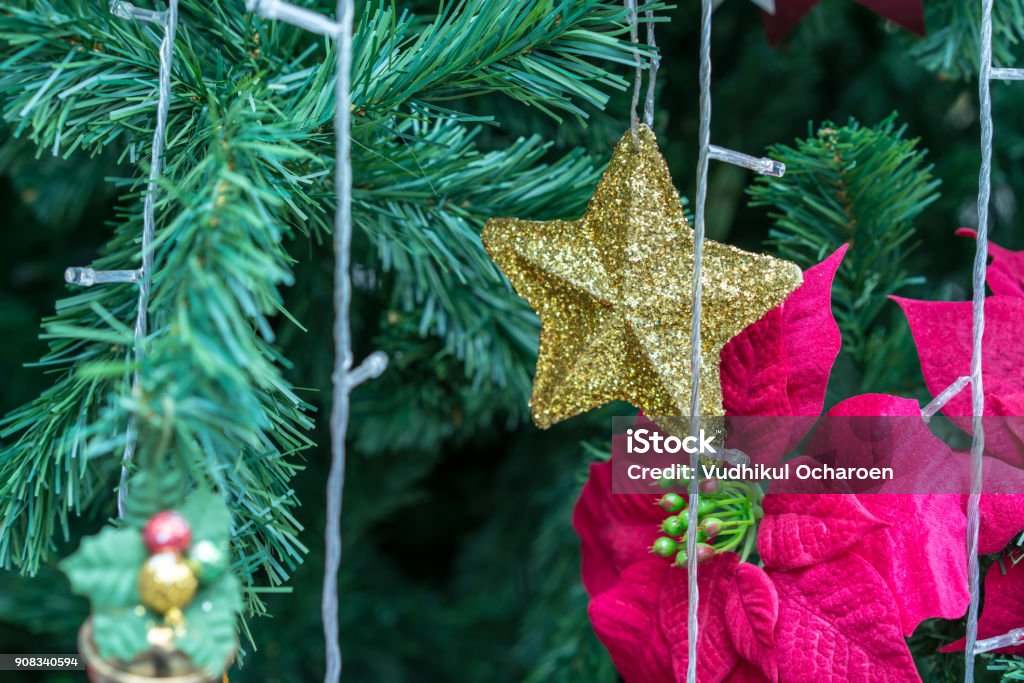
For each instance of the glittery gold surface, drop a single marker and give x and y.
(166, 583)
(613, 292)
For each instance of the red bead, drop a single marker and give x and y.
(165, 531)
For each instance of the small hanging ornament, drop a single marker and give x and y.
(208, 561)
(166, 583)
(613, 290)
(167, 531)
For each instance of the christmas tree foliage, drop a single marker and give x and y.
(832, 194)
(239, 188)
(460, 561)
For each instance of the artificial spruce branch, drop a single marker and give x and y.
(856, 184)
(247, 176)
(951, 47)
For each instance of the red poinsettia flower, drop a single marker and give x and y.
(778, 366)
(942, 332)
(845, 577)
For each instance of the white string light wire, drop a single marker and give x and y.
(707, 152)
(977, 332)
(87, 277)
(704, 140)
(344, 378)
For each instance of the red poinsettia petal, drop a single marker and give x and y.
(801, 530)
(787, 14)
(921, 555)
(870, 430)
(1002, 520)
(753, 368)
(1004, 605)
(1005, 274)
(615, 530)
(942, 333)
(907, 13)
(716, 658)
(811, 336)
(752, 610)
(626, 621)
(642, 621)
(838, 624)
(780, 365)
(924, 464)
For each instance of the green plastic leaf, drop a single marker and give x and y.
(105, 568)
(208, 516)
(120, 634)
(152, 493)
(210, 638)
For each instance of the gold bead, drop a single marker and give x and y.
(166, 582)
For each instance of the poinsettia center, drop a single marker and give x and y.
(727, 514)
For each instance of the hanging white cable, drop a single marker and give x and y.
(144, 275)
(344, 377)
(977, 332)
(342, 342)
(704, 141)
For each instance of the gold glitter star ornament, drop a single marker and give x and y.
(613, 290)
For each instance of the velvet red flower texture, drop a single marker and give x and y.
(942, 333)
(778, 366)
(845, 576)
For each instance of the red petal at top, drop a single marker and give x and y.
(1005, 274)
(780, 365)
(907, 13)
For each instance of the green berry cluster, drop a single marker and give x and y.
(727, 515)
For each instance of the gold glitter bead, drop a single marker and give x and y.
(613, 290)
(166, 583)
